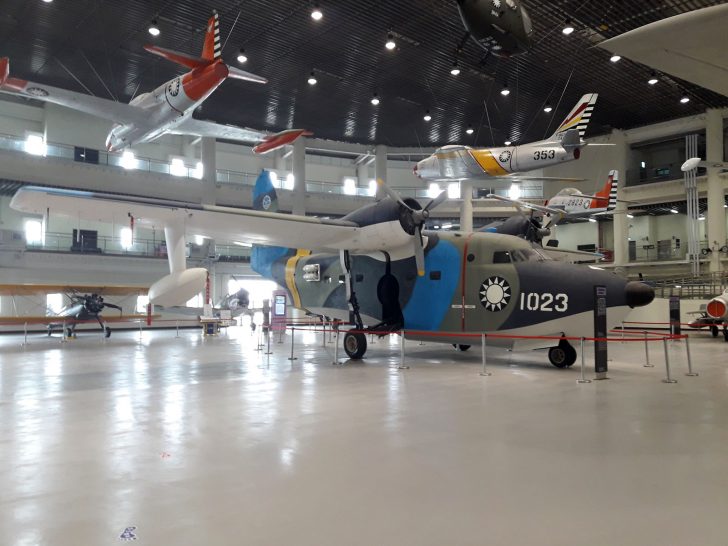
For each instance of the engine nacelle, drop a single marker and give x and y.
(178, 288)
(717, 308)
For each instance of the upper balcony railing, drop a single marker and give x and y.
(130, 162)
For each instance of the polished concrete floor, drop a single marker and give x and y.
(192, 441)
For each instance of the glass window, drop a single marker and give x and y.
(54, 303)
(33, 232)
(502, 257)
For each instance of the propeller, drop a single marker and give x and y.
(413, 220)
(94, 303)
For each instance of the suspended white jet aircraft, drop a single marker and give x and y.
(466, 163)
(166, 110)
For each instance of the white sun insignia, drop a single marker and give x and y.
(496, 4)
(495, 293)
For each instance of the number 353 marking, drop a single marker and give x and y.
(546, 302)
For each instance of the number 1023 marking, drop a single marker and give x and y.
(533, 301)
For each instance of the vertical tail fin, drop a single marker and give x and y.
(211, 51)
(265, 199)
(579, 116)
(608, 192)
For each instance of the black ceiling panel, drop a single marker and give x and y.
(97, 46)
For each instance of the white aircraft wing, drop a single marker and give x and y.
(525, 204)
(572, 256)
(198, 127)
(221, 223)
(118, 112)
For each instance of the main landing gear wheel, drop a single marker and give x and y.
(725, 334)
(563, 355)
(107, 332)
(462, 348)
(355, 345)
(714, 330)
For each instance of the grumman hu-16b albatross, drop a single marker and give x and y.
(86, 303)
(167, 109)
(379, 269)
(466, 163)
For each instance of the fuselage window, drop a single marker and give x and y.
(502, 257)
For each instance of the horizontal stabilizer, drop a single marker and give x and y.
(188, 61)
(278, 140)
(238, 74)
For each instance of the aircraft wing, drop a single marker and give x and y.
(102, 290)
(118, 112)
(202, 128)
(48, 319)
(222, 223)
(525, 204)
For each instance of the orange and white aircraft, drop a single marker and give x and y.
(166, 110)
(570, 203)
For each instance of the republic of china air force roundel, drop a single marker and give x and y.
(495, 293)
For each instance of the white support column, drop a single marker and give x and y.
(621, 222)
(380, 163)
(299, 175)
(174, 235)
(716, 198)
(466, 206)
(279, 161)
(209, 172)
(362, 175)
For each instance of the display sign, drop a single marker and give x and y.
(675, 315)
(600, 332)
(278, 318)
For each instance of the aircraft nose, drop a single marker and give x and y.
(638, 294)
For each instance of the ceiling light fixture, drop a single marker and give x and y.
(312, 79)
(316, 14)
(375, 100)
(391, 44)
(615, 58)
(674, 211)
(568, 27)
(505, 91)
(653, 79)
(507, 143)
(153, 28)
(547, 108)
(470, 130)
(242, 57)
(684, 99)
(47, 1)
(427, 117)
(455, 70)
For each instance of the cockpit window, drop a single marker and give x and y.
(519, 256)
(502, 257)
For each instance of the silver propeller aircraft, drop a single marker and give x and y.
(466, 163)
(379, 269)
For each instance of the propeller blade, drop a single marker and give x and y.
(391, 193)
(437, 201)
(112, 306)
(419, 254)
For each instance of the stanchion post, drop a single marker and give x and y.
(177, 326)
(336, 349)
(622, 331)
(583, 378)
(267, 336)
(25, 334)
(667, 379)
(402, 365)
(690, 373)
(483, 372)
(293, 334)
(647, 352)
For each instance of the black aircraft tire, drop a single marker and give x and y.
(725, 334)
(355, 345)
(463, 348)
(107, 332)
(714, 330)
(562, 356)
